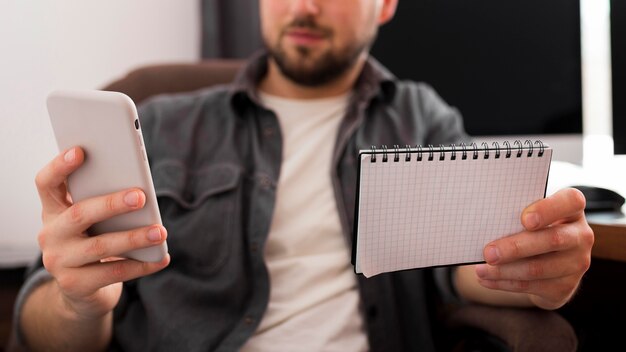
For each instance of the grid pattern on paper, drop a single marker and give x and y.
(427, 213)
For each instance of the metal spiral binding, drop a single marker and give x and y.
(495, 144)
(542, 148)
(486, 148)
(462, 148)
(508, 149)
(530, 147)
(519, 148)
(442, 152)
(475, 149)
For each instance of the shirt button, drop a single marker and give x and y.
(248, 320)
(265, 182)
(254, 247)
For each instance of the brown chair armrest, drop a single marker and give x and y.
(520, 329)
(147, 81)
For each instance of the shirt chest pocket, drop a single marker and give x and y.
(201, 211)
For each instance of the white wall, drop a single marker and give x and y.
(46, 45)
(600, 166)
(597, 86)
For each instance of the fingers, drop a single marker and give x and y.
(80, 216)
(58, 239)
(529, 244)
(82, 251)
(87, 276)
(82, 282)
(548, 266)
(546, 294)
(96, 248)
(50, 180)
(563, 205)
(562, 226)
(548, 260)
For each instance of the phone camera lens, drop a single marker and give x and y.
(136, 124)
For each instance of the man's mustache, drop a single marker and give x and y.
(309, 23)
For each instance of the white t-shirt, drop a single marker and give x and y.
(314, 299)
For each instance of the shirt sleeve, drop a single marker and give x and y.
(445, 123)
(38, 277)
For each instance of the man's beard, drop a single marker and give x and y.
(326, 68)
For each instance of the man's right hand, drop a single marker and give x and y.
(87, 270)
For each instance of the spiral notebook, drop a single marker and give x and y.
(431, 206)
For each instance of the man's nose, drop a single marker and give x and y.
(307, 7)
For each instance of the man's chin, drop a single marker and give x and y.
(303, 63)
(310, 67)
(302, 75)
(299, 54)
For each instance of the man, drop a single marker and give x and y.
(256, 188)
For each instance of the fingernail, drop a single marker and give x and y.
(492, 254)
(131, 198)
(531, 220)
(70, 155)
(154, 234)
(481, 270)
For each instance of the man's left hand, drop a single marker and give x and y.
(548, 260)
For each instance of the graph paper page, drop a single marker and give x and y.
(414, 214)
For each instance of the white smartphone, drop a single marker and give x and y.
(105, 124)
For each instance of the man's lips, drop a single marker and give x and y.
(305, 37)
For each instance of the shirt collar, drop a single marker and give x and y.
(374, 81)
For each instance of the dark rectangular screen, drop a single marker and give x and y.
(618, 63)
(510, 67)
